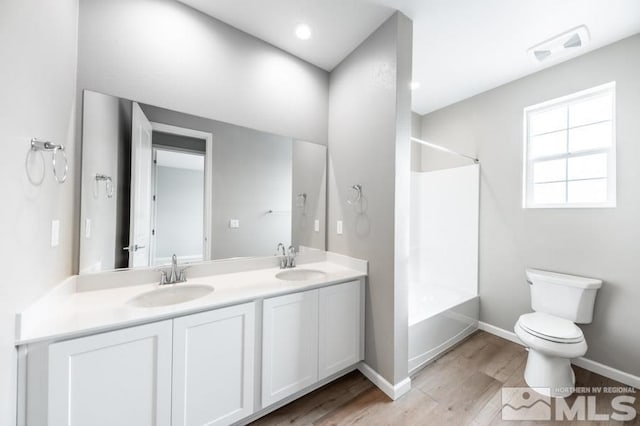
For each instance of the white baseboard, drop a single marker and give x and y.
(593, 366)
(392, 391)
(500, 332)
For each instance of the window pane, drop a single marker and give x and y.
(549, 171)
(588, 191)
(591, 110)
(548, 121)
(588, 167)
(548, 144)
(590, 137)
(549, 193)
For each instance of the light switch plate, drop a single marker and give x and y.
(339, 227)
(87, 228)
(234, 223)
(55, 233)
(316, 225)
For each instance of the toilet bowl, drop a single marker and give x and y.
(552, 343)
(550, 333)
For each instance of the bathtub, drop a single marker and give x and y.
(439, 317)
(443, 261)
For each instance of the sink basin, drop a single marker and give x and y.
(300, 275)
(171, 295)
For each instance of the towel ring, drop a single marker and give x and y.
(301, 199)
(66, 164)
(108, 183)
(46, 146)
(355, 194)
(36, 182)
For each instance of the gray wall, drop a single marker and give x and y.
(416, 149)
(179, 212)
(602, 243)
(162, 52)
(251, 175)
(37, 81)
(369, 115)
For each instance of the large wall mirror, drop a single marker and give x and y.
(157, 182)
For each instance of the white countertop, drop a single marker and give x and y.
(80, 313)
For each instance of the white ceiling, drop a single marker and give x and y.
(460, 47)
(338, 26)
(465, 47)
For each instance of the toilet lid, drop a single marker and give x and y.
(551, 328)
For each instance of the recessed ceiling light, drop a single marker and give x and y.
(303, 32)
(414, 85)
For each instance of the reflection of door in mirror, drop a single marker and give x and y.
(140, 226)
(178, 204)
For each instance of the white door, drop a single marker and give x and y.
(289, 345)
(213, 366)
(141, 181)
(341, 328)
(118, 378)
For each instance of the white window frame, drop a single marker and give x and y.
(527, 189)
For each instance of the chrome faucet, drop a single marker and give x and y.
(283, 259)
(291, 257)
(176, 275)
(287, 257)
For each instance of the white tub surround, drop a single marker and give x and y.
(252, 345)
(443, 290)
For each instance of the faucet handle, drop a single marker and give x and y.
(163, 277)
(183, 274)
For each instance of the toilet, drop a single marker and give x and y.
(550, 332)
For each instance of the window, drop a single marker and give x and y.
(570, 151)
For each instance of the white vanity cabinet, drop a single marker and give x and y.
(289, 345)
(118, 378)
(213, 366)
(310, 336)
(341, 325)
(223, 366)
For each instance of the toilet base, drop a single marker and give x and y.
(549, 375)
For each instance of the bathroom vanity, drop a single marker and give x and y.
(90, 353)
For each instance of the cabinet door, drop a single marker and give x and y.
(118, 378)
(289, 345)
(213, 366)
(341, 324)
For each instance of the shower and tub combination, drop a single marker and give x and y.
(443, 264)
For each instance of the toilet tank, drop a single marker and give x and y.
(562, 295)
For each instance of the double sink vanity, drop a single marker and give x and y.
(237, 340)
(238, 334)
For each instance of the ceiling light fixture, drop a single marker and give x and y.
(303, 32)
(561, 44)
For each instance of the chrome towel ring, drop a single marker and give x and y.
(108, 183)
(46, 146)
(354, 194)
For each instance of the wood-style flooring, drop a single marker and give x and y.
(463, 387)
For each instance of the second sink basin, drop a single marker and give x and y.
(300, 274)
(171, 295)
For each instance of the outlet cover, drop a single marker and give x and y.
(55, 233)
